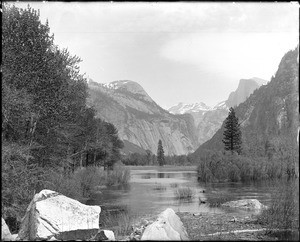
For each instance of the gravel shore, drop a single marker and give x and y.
(201, 226)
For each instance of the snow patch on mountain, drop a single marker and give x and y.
(221, 105)
(114, 84)
(182, 108)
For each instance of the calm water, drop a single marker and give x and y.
(151, 190)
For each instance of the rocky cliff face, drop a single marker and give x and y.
(208, 120)
(271, 111)
(245, 88)
(140, 120)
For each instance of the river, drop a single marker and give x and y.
(151, 190)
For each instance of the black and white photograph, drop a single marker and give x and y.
(128, 121)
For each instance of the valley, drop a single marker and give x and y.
(121, 144)
(142, 122)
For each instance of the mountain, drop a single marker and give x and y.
(245, 88)
(139, 120)
(208, 120)
(270, 112)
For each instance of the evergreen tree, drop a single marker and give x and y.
(148, 157)
(232, 134)
(160, 154)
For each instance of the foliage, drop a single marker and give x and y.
(44, 105)
(216, 166)
(232, 133)
(174, 185)
(89, 178)
(20, 180)
(184, 193)
(283, 213)
(159, 187)
(215, 200)
(120, 223)
(136, 159)
(160, 154)
(120, 175)
(66, 185)
(47, 129)
(86, 180)
(180, 160)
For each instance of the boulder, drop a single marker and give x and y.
(168, 226)
(53, 214)
(104, 235)
(248, 204)
(5, 232)
(14, 237)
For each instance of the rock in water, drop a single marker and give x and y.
(5, 232)
(51, 214)
(168, 226)
(249, 204)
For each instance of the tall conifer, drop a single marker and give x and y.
(160, 154)
(232, 134)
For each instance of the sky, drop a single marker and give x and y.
(177, 51)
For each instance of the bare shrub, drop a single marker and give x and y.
(184, 193)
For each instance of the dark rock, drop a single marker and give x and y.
(82, 234)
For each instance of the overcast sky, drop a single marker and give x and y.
(178, 52)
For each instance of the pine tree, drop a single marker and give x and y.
(160, 154)
(232, 134)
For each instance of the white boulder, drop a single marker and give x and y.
(104, 235)
(5, 232)
(109, 235)
(168, 226)
(249, 204)
(51, 213)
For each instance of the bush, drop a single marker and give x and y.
(283, 213)
(217, 167)
(69, 186)
(120, 222)
(218, 199)
(184, 193)
(20, 181)
(82, 183)
(204, 172)
(174, 185)
(119, 175)
(159, 187)
(89, 178)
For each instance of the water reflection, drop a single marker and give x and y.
(161, 175)
(152, 190)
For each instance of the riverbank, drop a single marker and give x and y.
(206, 226)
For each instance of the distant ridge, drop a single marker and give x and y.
(139, 120)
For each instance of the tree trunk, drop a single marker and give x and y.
(31, 133)
(82, 154)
